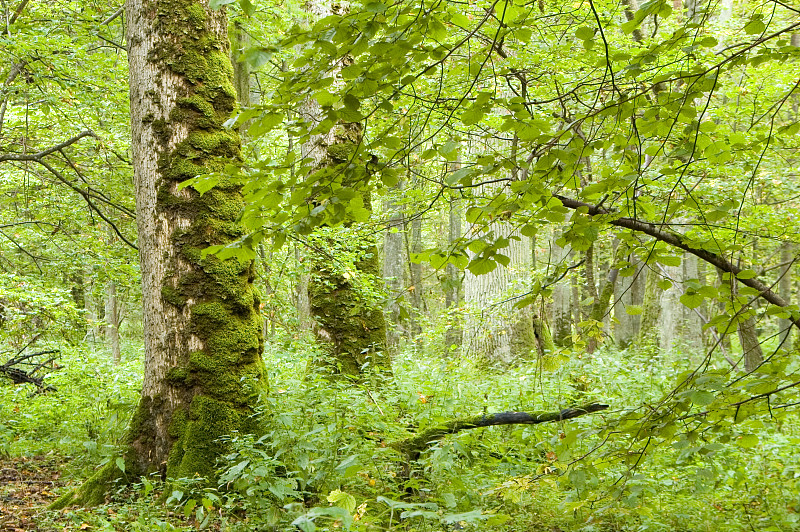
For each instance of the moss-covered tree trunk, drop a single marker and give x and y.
(349, 323)
(203, 343)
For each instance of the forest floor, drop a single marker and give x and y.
(27, 486)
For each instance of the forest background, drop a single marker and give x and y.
(453, 209)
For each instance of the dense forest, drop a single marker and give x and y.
(469, 265)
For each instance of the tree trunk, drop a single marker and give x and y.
(494, 328)
(628, 291)
(112, 320)
(415, 277)
(745, 322)
(785, 289)
(453, 286)
(651, 310)
(203, 368)
(393, 268)
(562, 300)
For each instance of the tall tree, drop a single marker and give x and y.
(350, 324)
(203, 367)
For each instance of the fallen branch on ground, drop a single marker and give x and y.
(413, 446)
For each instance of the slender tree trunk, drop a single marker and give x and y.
(453, 289)
(785, 289)
(745, 325)
(628, 292)
(202, 331)
(394, 267)
(416, 286)
(562, 297)
(112, 320)
(601, 307)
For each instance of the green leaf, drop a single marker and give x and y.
(481, 265)
(247, 7)
(189, 507)
(755, 25)
(633, 310)
(256, 57)
(669, 260)
(342, 500)
(746, 274)
(747, 441)
(584, 33)
(692, 300)
(120, 463)
(701, 397)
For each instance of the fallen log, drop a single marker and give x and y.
(413, 446)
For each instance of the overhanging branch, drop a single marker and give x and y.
(679, 241)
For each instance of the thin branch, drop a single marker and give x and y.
(114, 15)
(88, 198)
(37, 156)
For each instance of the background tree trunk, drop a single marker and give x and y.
(453, 280)
(562, 296)
(394, 267)
(494, 327)
(628, 291)
(785, 290)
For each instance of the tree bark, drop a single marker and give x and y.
(651, 311)
(494, 328)
(785, 289)
(112, 320)
(562, 297)
(202, 331)
(413, 446)
(394, 267)
(628, 291)
(453, 280)
(350, 327)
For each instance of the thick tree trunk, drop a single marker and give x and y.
(203, 368)
(350, 327)
(494, 328)
(651, 310)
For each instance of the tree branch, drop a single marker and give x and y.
(413, 446)
(38, 156)
(679, 241)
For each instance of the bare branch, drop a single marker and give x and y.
(37, 156)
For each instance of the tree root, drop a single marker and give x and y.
(93, 492)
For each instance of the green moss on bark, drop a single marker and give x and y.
(94, 491)
(212, 391)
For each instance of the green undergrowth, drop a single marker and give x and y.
(325, 460)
